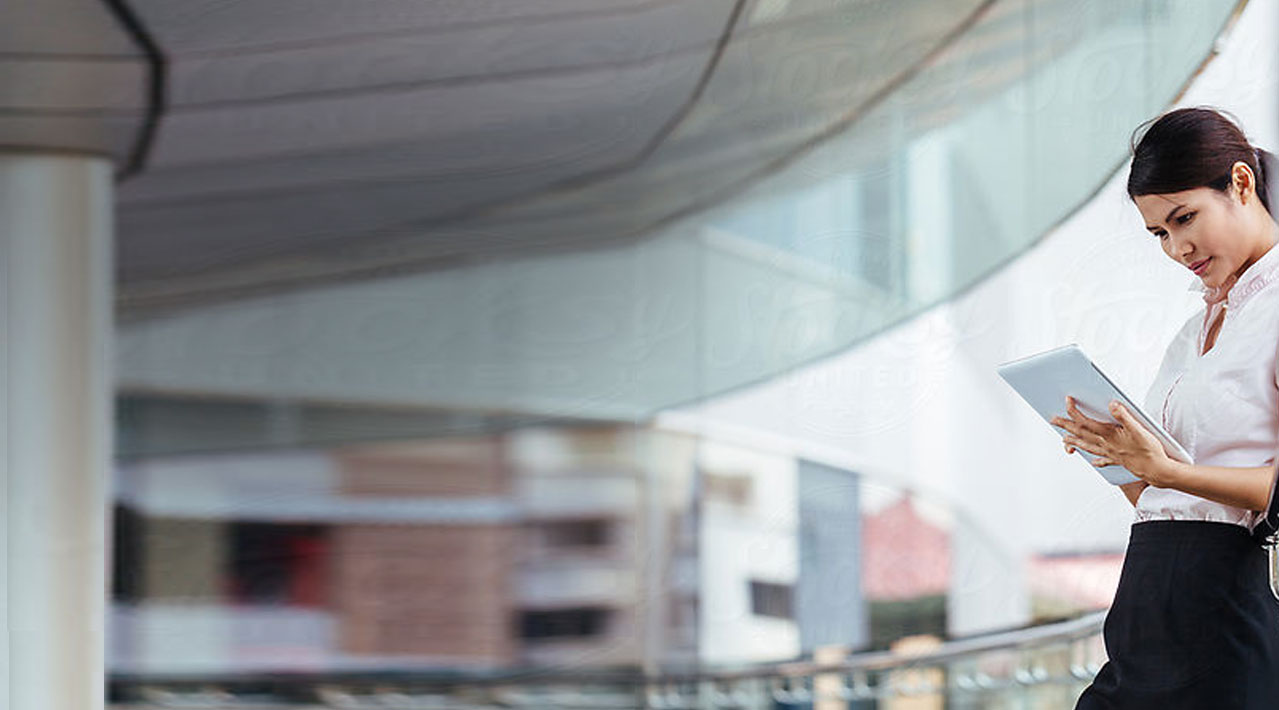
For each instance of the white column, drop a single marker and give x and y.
(56, 380)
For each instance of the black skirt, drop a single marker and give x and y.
(1194, 623)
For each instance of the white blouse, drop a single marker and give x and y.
(1223, 406)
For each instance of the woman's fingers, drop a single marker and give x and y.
(1072, 426)
(1125, 417)
(1066, 424)
(1084, 445)
(1084, 420)
(1079, 433)
(1096, 437)
(1135, 429)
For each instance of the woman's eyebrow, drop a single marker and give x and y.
(1150, 228)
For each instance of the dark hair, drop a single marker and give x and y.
(1195, 147)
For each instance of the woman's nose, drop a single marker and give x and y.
(1182, 247)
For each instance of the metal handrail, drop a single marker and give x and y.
(1018, 639)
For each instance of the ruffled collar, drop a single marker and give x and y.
(1236, 290)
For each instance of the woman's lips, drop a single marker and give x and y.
(1199, 267)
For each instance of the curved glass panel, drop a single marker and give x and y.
(870, 210)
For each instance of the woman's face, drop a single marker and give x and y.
(1206, 230)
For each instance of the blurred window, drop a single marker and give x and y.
(126, 556)
(576, 533)
(730, 488)
(770, 599)
(277, 564)
(564, 623)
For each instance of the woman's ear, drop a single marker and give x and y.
(1244, 180)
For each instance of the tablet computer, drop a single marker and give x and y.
(1045, 380)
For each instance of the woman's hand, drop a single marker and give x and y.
(1125, 443)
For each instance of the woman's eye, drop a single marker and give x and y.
(1185, 218)
(1161, 234)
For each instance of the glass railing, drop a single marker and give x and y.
(1043, 667)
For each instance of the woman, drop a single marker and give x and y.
(1194, 624)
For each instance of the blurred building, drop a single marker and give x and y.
(587, 547)
(474, 552)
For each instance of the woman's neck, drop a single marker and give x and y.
(1267, 237)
